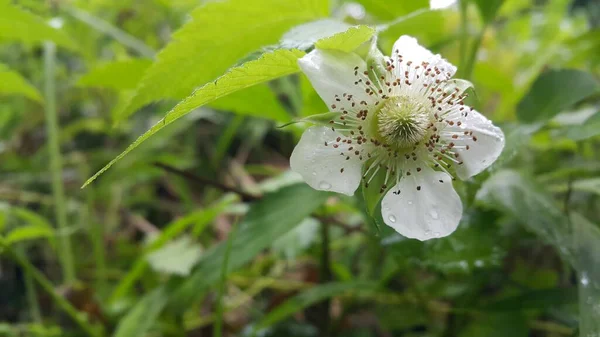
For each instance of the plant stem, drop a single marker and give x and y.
(218, 327)
(102, 26)
(470, 62)
(34, 306)
(463, 32)
(49, 288)
(52, 128)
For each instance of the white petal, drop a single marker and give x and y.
(331, 73)
(411, 50)
(321, 166)
(427, 206)
(484, 146)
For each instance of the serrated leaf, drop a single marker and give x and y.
(271, 217)
(143, 315)
(219, 35)
(555, 91)
(118, 75)
(312, 296)
(20, 25)
(177, 257)
(258, 101)
(269, 66)
(12, 83)
(347, 41)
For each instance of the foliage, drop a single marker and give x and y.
(202, 227)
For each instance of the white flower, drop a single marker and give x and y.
(402, 118)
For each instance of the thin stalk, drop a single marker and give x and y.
(52, 129)
(31, 293)
(463, 32)
(102, 26)
(326, 277)
(226, 139)
(218, 327)
(470, 62)
(47, 286)
(96, 233)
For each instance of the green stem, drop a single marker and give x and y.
(463, 32)
(47, 286)
(52, 128)
(34, 306)
(218, 327)
(102, 26)
(470, 63)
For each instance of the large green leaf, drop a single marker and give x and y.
(12, 83)
(219, 35)
(141, 317)
(312, 296)
(270, 66)
(555, 91)
(17, 24)
(347, 41)
(118, 75)
(267, 220)
(590, 128)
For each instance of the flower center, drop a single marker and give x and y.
(402, 121)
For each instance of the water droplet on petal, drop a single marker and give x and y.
(314, 173)
(324, 185)
(434, 214)
(427, 233)
(392, 218)
(410, 202)
(437, 234)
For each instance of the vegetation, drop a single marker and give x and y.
(194, 225)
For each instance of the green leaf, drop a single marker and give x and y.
(312, 296)
(536, 299)
(498, 325)
(297, 240)
(177, 257)
(29, 232)
(589, 129)
(258, 101)
(267, 67)
(276, 214)
(347, 41)
(143, 315)
(19, 25)
(388, 10)
(555, 91)
(488, 8)
(118, 75)
(12, 83)
(219, 35)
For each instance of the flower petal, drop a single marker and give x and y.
(426, 207)
(322, 166)
(411, 50)
(478, 150)
(332, 74)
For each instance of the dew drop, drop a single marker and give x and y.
(434, 214)
(437, 234)
(392, 218)
(427, 233)
(410, 202)
(314, 173)
(324, 185)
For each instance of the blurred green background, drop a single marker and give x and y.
(203, 231)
